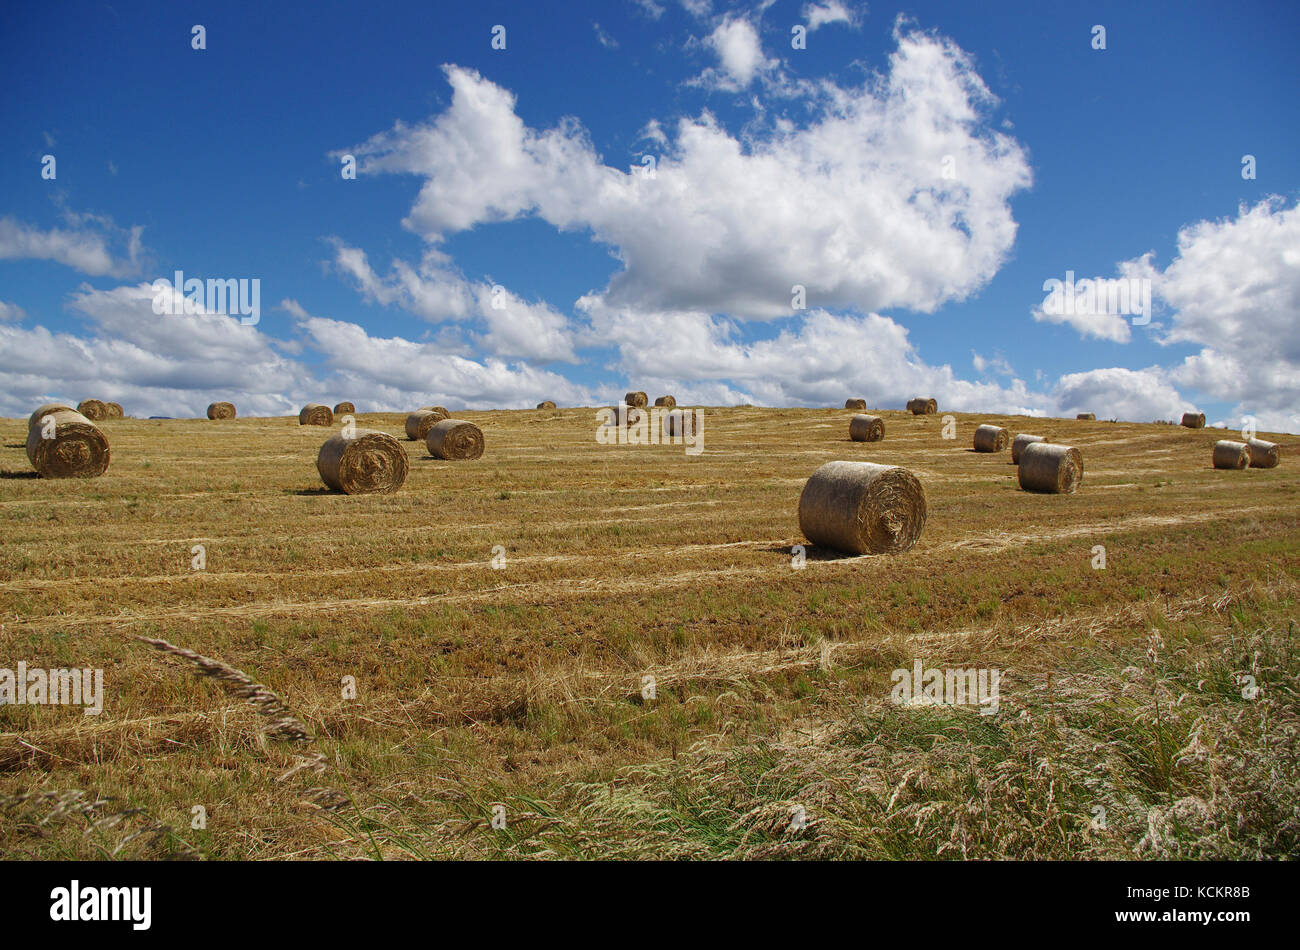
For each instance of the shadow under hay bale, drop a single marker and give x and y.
(314, 414)
(221, 410)
(1018, 445)
(455, 440)
(1229, 454)
(1263, 454)
(989, 438)
(369, 463)
(65, 444)
(1193, 420)
(862, 508)
(864, 428)
(1054, 469)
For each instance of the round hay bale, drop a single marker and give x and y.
(862, 508)
(546, 404)
(667, 401)
(221, 410)
(1229, 454)
(115, 410)
(1193, 420)
(446, 413)
(1263, 454)
(864, 428)
(923, 407)
(456, 440)
(45, 410)
(1057, 469)
(990, 438)
(75, 447)
(344, 408)
(93, 409)
(1087, 416)
(676, 422)
(638, 399)
(369, 463)
(1018, 445)
(419, 423)
(314, 414)
(855, 404)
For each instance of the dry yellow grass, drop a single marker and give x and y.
(523, 683)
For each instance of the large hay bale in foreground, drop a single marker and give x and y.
(1018, 445)
(115, 410)
(638, 399)
(75, 447)
(864, 428)
(855, 404)
(344, 408)
(456, 440)
(1193, 420)
(862, 508)
(1044, 467)
(668, 401)
(546, 404)
(221, 410)
(1087, 416)
(419, 423)
(923, 407)
(1263, 454)
(314, 414)
(1229, 454)
(369, 463)
(45, 410)
(93, 409)
(990, 438)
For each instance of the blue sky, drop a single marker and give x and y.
(502, 242)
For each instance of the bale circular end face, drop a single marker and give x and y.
(93, 409)
(1057, 469)
(1087, 416)
(855, 404)
(1194, 420)
(344, 408)
(65, 444)
(922, 407)
(1263, 454)
(1018, 445)
(668, 401)
(990, 438)
(419, 423)
(546, 404)
(221, 410)
(314, 414)
(45, 410)
(638, 399)
(369, 463)
(862, 508)
(863, 428)
(1229, 454)
(455, 440)
(115, 410)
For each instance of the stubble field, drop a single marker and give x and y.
(507, 712)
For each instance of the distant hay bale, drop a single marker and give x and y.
(989, 438)
(862, 508)
(419, 423)
(456, 440)
(855, 404)
(923, 407)
(1263, 454)
(93, 409)
(75, 448)
(864, 428)
(446, 414)
(667, 401)
(1193, 420)
(45, 410)
(1044, 467)
(314, 414)
(638, 399)
(1229, 454)
(344, 408)
(1087, 416)
(368, 463)
(676, 422)
(115, 410)
(221, 410)
(546, 404)
(1018, 445)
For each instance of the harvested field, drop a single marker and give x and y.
(519, 679)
